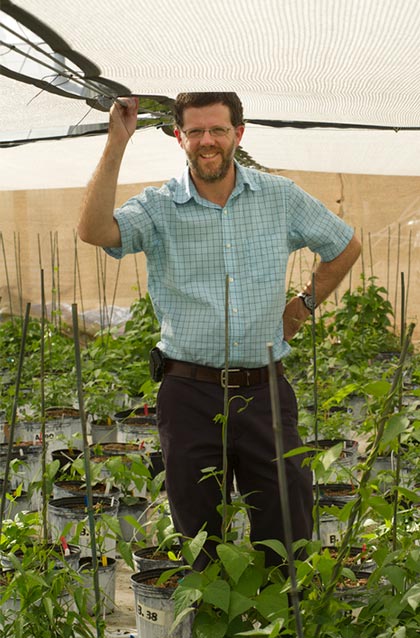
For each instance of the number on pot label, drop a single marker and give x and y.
(154, 616)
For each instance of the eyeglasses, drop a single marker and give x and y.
(214, 131)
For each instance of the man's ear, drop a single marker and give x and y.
(178, 136)
(239, 131)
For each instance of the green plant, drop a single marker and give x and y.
(41, 594)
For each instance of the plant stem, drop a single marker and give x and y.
(16, 238)
(398, 466)
(396, 276)
(44, 514)
(353, 521)
(283, 489)
(315, 395)
(9, 292)
(13, 415)
(86, 458)
(79, 279)
(225, 522)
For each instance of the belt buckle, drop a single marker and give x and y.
(223, 378)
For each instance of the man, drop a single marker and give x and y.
(220, 221)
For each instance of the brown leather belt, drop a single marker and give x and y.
(236, 377)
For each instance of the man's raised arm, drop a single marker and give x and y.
(97, 224)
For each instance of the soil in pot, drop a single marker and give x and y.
(63, 489)
(155, 612)
(155, 558)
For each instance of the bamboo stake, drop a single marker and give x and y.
(16, 239)
(113, 298)
(104, 263)
(13, 415)
(362, 257)
(101, 322)
(292, 268)
(396, 277)
(44, 513)
(86, 458)
(370, 253)
(225, 523)
(388, 262)
(398, 465)
(58, 281)
(283, 489)
(315, 395)
(409, 272)
(77, 278)
(9, 292)
(137, 275)
(53, 286)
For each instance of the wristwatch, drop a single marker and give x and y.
(308, 300)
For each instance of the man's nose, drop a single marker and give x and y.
(207, 138)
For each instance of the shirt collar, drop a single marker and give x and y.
(185, 189)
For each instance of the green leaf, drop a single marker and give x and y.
(412, 596)
(276, 545)
(234, 561)
(250, 581)
(48, 606)
(381, 506)
(126, 552)
(238, 605)
(218, 594)
(395, 426)
(180, 617)
(192, 548)
(378, 388)
(206, 626)
(184, 598)
(271, 630)
(331, 455)
(298, 450)
(396, 576)
(272, 603)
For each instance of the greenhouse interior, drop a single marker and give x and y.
(89, 541)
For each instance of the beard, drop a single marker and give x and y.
(215, 170)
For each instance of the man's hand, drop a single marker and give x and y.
(123, 119)
(328, 275)
(295, 314)
(97, 225)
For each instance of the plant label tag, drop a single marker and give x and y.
(154, 616)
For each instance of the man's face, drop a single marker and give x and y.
(210, 157)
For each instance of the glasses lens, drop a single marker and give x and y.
(218, 131)
(215, 131)
(194, 133)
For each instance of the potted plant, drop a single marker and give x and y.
(40, 588)
(129, 474)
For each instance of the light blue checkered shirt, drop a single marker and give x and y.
(191, 245)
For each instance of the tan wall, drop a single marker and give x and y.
(38, 228)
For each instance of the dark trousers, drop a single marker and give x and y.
(192, 441)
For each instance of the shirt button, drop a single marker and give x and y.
(231, 280)
(235, 343)
(235, 309)
(225, 212)
(228, 245)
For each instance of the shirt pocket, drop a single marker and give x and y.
(265, 258)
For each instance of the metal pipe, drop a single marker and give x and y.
(283, 489)
(86, 457)
(14, 412)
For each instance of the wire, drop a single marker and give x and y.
(73, 73)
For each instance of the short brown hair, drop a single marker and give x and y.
(197, 100)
